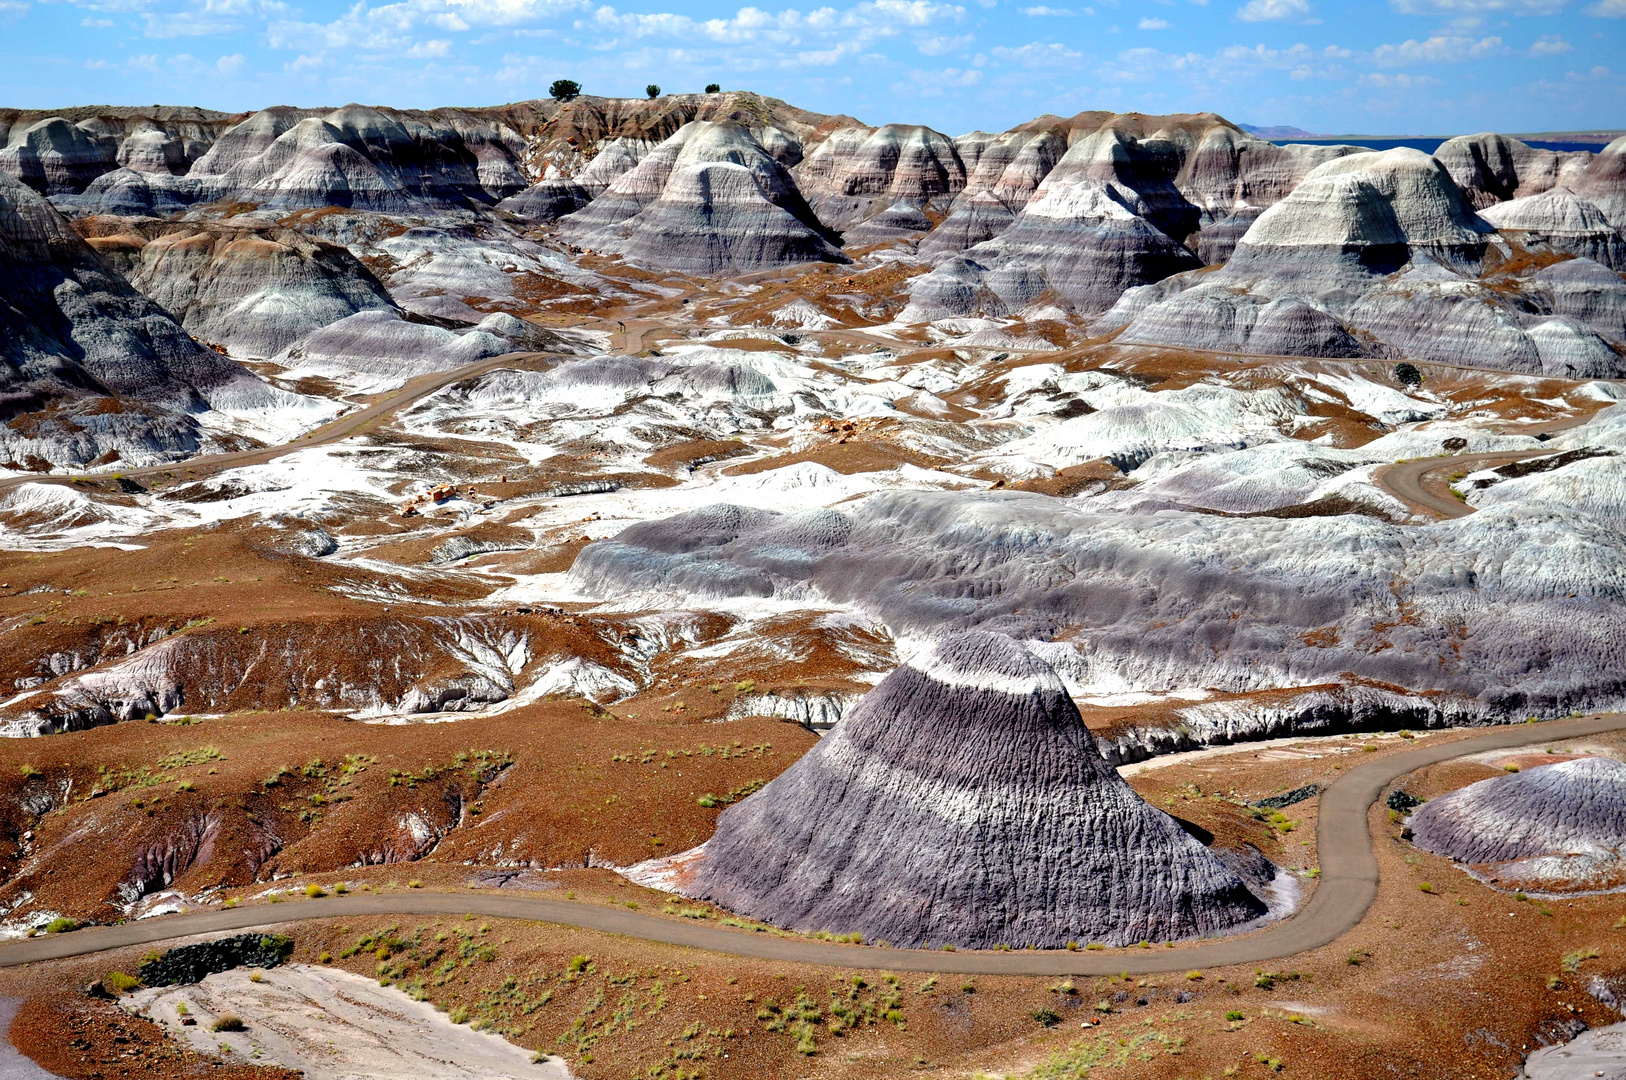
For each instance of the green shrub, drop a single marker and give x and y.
(652, 91)
(565, 90)
(1045, 1017)
(1233, 1015)
(229, 1022)
(61, 925)
(314, 890)
(713, 88)
(119, 982)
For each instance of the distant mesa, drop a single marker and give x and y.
(1279, 131)
(1553, 828)
(963, 802)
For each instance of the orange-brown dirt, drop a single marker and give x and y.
(1432, 983)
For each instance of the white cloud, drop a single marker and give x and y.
(937, 83)
(1608, 9)
(940, 45)
(143, 62)
(11, 8)
(1398, 81)
(1440, 49)
(1037, 54)
(1230, 65)
(1550, 45)
(424, 50)
(1154, 24)
(230, 65)
(1042, 12)
(1276, 11)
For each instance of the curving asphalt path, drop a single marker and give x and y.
(341, 428)
(1419, 485)
(1347, 887)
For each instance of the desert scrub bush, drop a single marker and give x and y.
(1233, 1016)
(314, 890)
(121, 983)
(1045, 1017)
(1425, 887)
(229, 1022)
(578, 964)
(29, 771)
(414, 884)
(61, 925)
(1572, 960)
(459, 1015)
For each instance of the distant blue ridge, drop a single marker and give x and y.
(1428, 146)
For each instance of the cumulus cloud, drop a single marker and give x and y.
(1154, 24)
(230, 65)
(1230, 65)
(1298, 11)
(1550, 45)
(1440, 49)
(1037, 54)
(12, 9)
(941, 45)
(1608, 9)
(1397, 81)
(936, 83)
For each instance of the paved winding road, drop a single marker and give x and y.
(343, 427)
(1425, 484)
(1347, 887)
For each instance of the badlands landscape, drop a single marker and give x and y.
(695, 587)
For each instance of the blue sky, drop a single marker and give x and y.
(1391, 66)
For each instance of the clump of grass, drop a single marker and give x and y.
(61, 925)
(1045, 1017)
(314, 890)
(459, 1015)
(255, 977)
(414, 884)
(1193, 976)
(120, 983)
(578, 964)
(1425, 887)
(1094, 946)
(340, 888)
(1572, 960)
(229, 1022)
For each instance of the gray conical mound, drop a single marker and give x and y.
(963, 802)
(1571, 806)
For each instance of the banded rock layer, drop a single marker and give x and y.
(1381, 254)
(963, 802)
(1152, 603)
(104, 367)
(710, 199)
(1556, 826)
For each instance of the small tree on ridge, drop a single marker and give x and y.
(653, 91)
(565, 89)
